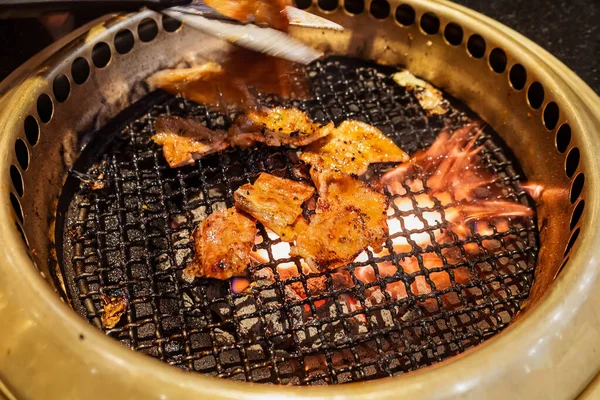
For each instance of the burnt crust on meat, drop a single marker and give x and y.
(350, 217)
(185, 140)
(276, 203)
(277, 126)
(222, 242)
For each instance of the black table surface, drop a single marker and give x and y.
(569, 29)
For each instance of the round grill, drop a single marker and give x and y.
(130, 236)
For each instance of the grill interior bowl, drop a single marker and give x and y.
(131, 239)
(49, 107)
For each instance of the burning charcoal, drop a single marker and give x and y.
(163, 262)
(291, 294)
(182, 257)
(187, 301)
(255, 352)
(176, 221)
(244, 305)
(222, 310)
(381, 319)
(264, 274)
(309, 337)
(374, 296)
(276, 324)
(250, 328)
(315, 364)
(223, 338)
(199, 214)
(205, 363)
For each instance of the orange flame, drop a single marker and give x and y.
(458, 182)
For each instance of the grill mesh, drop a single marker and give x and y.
(131, 238)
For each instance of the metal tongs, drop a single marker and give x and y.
(196, 14)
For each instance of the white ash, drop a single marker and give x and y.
(222, 337)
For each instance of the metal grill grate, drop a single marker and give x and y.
(131, 238)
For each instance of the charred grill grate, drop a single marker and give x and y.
(131, 238)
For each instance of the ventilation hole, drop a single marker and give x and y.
(328, 5)
(498, 60)
(572, 241)
(80, 70)
(22, 153)
(453, 34)
(171, 24)
(32, 130)
(61, 88)
(405, 15)
(124, 41)
(303, 4)
(518, 77)
(430, 23)
(476, 46)
(147, 30)
(563, 138)
(535, 95)
(17, 180)
(380, 9)
(16, 206)
(572, 162)
(577, 214)
(577, 187)
(101, 55)
(22, 233)
(354, 6)
(44, 108)
(551, 114)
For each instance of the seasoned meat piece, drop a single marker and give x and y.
(431, 99)
(185, 140)
(114, 309)
(276, 202)
(175, 77)
(260, 12)
(351, 148)
(235, 83)
(223, 243)
(276, 127)
(349, 217)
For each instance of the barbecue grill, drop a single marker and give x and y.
(98, 213)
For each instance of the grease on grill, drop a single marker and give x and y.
(291, 327)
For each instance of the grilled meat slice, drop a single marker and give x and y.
(276, 127)
(276, 203)
(185, 140)
(199, 83)
(260, 12)
(349, 217)
(223, 243)
(235, 83)
(351, 147)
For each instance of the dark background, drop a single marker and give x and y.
(569, 29)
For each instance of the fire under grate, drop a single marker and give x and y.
(130, 236)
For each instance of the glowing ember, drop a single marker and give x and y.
(238, 285)
(455, 203)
